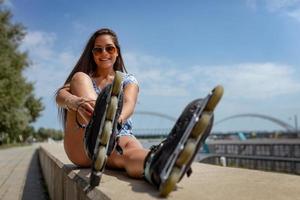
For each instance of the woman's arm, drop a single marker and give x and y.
(66, 99)
(129, 101)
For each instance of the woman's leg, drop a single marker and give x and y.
(132, 159)
(81, 86)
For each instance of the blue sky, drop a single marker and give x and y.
(178, 51)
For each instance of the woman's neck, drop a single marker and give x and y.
(104, 73)
(104, 77)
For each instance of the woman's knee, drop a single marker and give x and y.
(81, 84)
(80, 78)
(115, 160)
(129, 142)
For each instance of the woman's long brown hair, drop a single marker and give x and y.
(87, 64)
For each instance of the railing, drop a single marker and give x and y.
(269, 155)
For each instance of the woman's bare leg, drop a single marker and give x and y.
(132, 159)
(81, 86)
(134, 154)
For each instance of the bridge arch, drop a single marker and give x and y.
(156, 114)
(279, 122)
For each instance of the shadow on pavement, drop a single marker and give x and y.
(35, 187)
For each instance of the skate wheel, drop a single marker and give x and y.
(101, 158)
(216, 96)
(186, 153)
(112, 108)
(201, 125)
(106, 132)
(170, 183)
(117, 83)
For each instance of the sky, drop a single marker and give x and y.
(178, 51)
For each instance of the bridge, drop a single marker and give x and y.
(254, 150)
(170, 120)
(279, 122)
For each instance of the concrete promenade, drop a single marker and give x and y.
(66, 181)
(20, 176)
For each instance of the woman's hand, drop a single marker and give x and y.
(83, 106)
(121, 120)
(129, 101)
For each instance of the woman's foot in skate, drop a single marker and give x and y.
(100, 133)
(167, 162)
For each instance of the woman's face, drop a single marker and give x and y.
(105, 52)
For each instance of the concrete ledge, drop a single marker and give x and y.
(66, 181)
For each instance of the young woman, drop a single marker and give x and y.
(93, 77)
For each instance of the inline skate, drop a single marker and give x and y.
(168, 162)
(101, 130)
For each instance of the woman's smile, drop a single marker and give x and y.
(104, 51)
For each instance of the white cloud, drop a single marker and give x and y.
(157, 76)
(50, 67)
(8, 3)
(161, 77)
(254, 80)
(275, 5)
(67, 58)
(251, 4)
(242, 81)
(265, 88)
(290, 8)
(79, 27)
(294, 14)
(39, 44)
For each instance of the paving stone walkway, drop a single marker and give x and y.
(20, 175)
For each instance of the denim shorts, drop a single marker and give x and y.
(126, 129)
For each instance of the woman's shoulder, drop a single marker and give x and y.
(129, 78)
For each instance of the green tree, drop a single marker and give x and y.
(18, 105)
(44, 133)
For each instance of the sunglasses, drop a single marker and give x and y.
(100, 50)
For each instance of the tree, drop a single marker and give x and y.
(18, 105)
(44, 133)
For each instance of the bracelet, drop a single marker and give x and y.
(83, 126)
(65, 106)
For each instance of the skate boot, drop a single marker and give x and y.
(168, 162)
(100, 133)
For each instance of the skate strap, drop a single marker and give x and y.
(147, 162)
(83, 126)
(118, 147)
(149, 157)
(189, 172)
